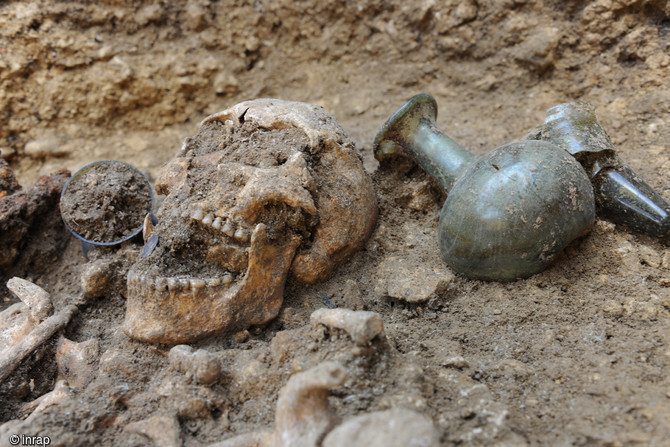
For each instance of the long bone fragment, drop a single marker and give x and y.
(36, 298)
(304, 415)
(13, 357)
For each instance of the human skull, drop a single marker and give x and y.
(264, 187)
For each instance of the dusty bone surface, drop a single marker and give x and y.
(162, 431)
(36, 298)
(200, 364)
(398, 427)
(18, 320)
(303, 415)
(12, 357)
(305, 418)
(27, 325)
(77, 362)
(264, 188)
(61, 394)
(362, 326)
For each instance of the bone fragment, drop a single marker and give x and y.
(398, 427)
(57, 396)
(303, 414)
(77, 362)
(201, 364)
(37, 299)
(15, 324)
(261, 438)
(361, 325)
(13, 357)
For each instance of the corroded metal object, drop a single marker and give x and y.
(507, 213)
(621, 195)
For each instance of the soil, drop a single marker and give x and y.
(576, 355)
(106, 203)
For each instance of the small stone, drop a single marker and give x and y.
(96, 277)
(613, 308)
(195, 16)
(650, 256)
(49, 145)
(206, 367)
(179, 357)
(412, 282)
(630, 261)
(456, 361)
(149, 13)
(241, 336)
(666, 260)
(225, 84)
(353, 298)
(192, 407)
(419, 195)
(6, 152)
(252, 43)
(538, 50)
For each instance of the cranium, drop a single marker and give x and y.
(264, 188)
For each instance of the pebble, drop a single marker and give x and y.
(650, 256)
(95, 278)
(6, 152)
(149, 13)
(225, 83)
(195, 16)
(665, 263)
(419, 196)
(47, 146)
(352, 296)
(457, 362)
(410, 281)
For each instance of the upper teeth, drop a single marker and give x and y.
(198, 214)
(226, 226)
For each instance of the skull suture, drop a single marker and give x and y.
(264, 188)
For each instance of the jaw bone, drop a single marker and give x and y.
(195, 308)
